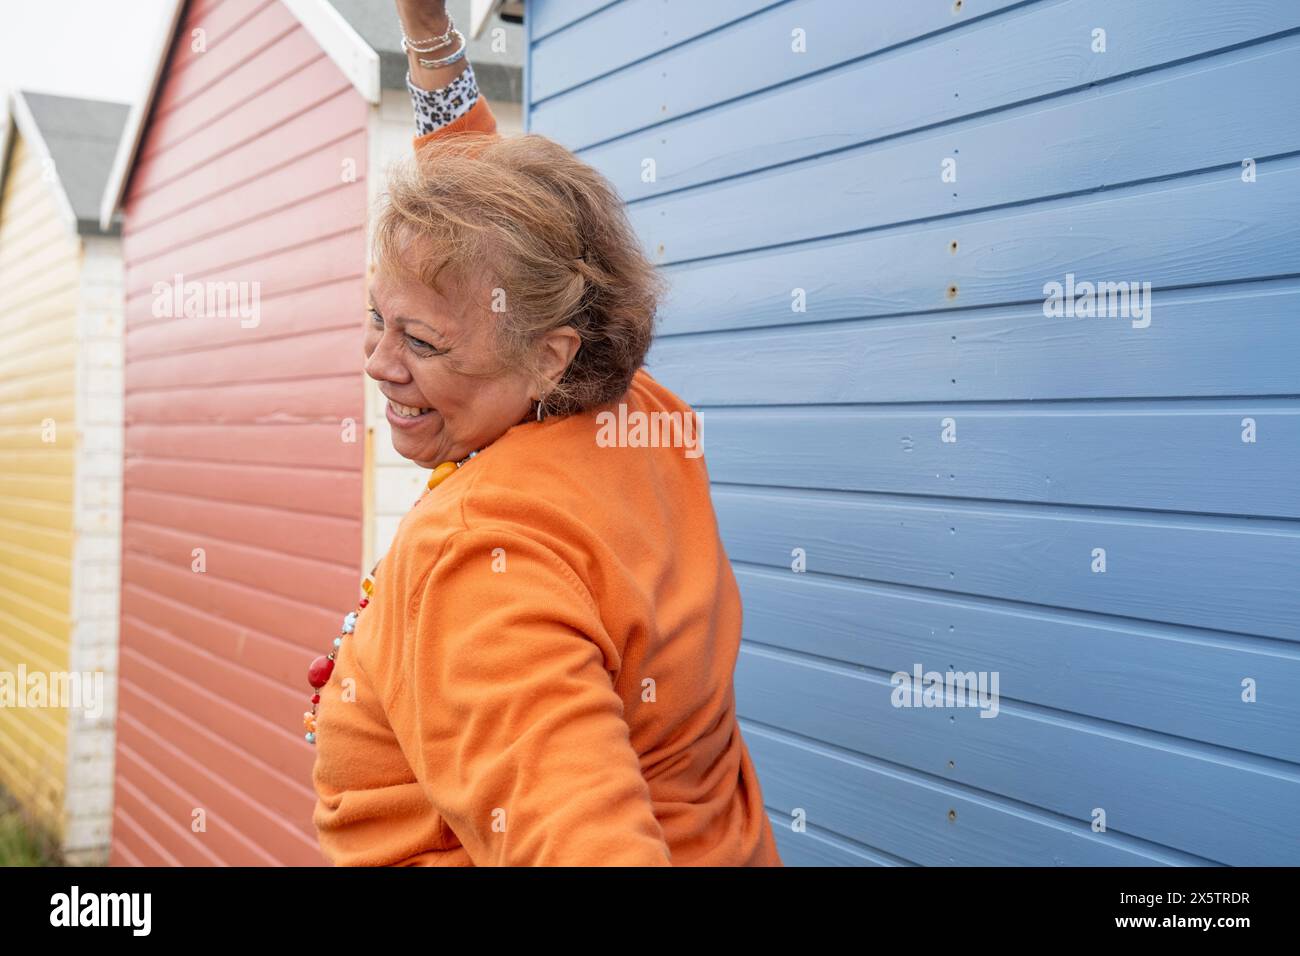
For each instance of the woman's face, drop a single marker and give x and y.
(435, 355)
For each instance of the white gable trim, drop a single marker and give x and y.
(130, 142)
(25, 123)
(6, 126)
(342, 44)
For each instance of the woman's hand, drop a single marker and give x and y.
(422, 19)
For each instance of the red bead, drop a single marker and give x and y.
(364, 602)
(318, 674)
(315, 698)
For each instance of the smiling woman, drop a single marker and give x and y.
(541, 671)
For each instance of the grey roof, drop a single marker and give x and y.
(499, 75)
(82, 137)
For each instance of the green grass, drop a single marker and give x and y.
(21, 843)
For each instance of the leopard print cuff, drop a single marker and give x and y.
(436, 108)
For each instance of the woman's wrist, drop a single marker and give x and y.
(436, 108)
(423, 21)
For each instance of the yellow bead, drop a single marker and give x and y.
(309, 721)
(442, 473)
(367, 586)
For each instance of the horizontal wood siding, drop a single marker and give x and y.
(840, 308)
(40, 263)
(244, 440)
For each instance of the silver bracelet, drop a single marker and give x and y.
(432, 43)
(446, 60)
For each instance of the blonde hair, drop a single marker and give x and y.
(545, 229)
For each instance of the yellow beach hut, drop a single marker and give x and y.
(60, 465)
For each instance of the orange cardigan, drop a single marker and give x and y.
(543, 675)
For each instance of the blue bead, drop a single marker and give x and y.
(311, 738)
(349, 628)
(338, 642)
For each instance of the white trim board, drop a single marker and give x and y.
(342, 44)
(20, 116)
(135, 120)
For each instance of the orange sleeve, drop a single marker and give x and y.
(479, 119)
(509, 718)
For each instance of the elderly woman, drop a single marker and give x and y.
(540, 672)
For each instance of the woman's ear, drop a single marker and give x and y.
(559, 346)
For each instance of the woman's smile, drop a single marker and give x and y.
(406, 416)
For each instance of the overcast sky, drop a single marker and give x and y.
(89, 48)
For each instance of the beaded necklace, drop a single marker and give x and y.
(318, 674)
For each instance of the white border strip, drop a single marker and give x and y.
(131, 135)
(341, 43)
(27, 128)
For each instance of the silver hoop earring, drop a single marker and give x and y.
(539, 409)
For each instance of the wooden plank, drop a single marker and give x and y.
(314, 84)
(1174, 680)
(552, 15)
(154, 794)
(284, 444)
(290, 620)
(237, 45)
(314, 491)
(1219, 805)
(264, 61)
(312, 581)
(330, 400)
(900, 180)
(266, 659)
(814, 848)
(301, 135)
(163, 698)
(300, 359)
(319, 172)
(271, 529)
(1001, 354)
(337, 304)
(218, 21)
(1200, 230)
(241, 250)
(624, 33)
(906, 813)
(131, 837)
(1214, 573)
(1176, 456)
(938, 79)
(316, 261)
(283, 806)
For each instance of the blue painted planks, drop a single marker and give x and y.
(997, 161)
(548, 16)
(833, 301)
(1002, 354)
(924, 819)
(1225, 574)
(1213, 804)
(1179, 457)
(1196, 230)
(957, 73)
(1000, 155)
(583, 52)
(1113, 669)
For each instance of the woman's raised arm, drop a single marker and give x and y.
(444, 95)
